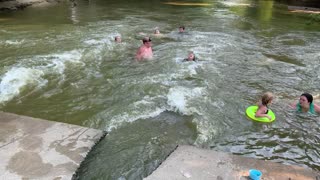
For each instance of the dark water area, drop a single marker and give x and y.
(61, 63)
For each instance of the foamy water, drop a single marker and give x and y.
(179, 99)
(13, 42)
(16, 79)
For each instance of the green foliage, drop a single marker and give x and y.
(313, 18)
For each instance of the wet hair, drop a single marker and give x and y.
(115, 38)
(308, 96)
(266, 98)
(146, 39)
(182, 27)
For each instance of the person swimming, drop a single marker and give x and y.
(306, 104)
(263, 108)
(191, 57)
(117, 39)
(181, 29)
(145, 50)
(156, 32)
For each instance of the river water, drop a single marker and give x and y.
(60, 63)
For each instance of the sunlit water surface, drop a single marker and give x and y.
(60, 63)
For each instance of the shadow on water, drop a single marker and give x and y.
(135, 150)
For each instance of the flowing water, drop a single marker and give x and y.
(60, 63)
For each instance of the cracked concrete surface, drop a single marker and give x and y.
(32, 148)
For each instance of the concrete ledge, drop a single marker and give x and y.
(32, 148)
(192, 163)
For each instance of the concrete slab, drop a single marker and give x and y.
(32, 148)
(188, 162)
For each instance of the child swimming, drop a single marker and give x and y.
(191, 57)
(262, 111)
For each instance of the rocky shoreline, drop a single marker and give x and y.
(13, 5)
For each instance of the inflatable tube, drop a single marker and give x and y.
(251, 113)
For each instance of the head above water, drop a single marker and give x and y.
(156, 31)
(191, 56)
(117, 39)
(146, 40)
(308, 96)
(181, 29)
(267, 97)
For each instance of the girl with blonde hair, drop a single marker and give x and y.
(263, 108)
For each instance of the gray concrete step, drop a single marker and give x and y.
(32, 148)
(191, 163)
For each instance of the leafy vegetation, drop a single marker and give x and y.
(314, 18)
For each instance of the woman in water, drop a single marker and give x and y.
(262, 111)
(306, 104)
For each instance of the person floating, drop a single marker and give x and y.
(263, 108)
(117, 39)
(191, 57)
(145, 50)
(306, 104)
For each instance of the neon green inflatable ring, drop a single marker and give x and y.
(251, 113)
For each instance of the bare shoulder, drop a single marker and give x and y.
(140, 49)
(261, 108)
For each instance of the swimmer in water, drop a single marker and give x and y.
(263, 108)
(306, 104)
(181, 29)
(145, 50)
(117, 39)
(191, 57)
(156, 32)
